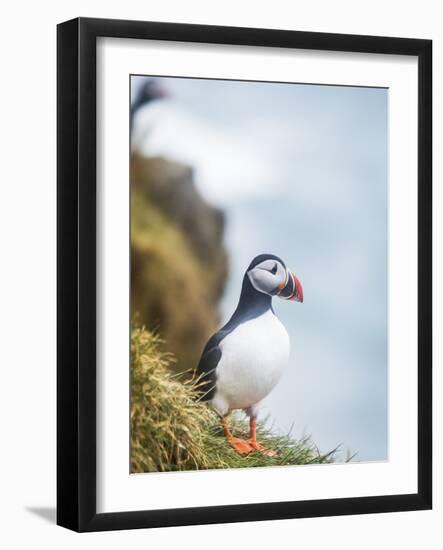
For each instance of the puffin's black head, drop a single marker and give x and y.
(268, 274)
(149, 91)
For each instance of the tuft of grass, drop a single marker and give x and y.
(171, 430)
(166, 420)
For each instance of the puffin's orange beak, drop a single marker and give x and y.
(292, 290)
(298, 293)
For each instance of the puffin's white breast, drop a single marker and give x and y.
(253, 357)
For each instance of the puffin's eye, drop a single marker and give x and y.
(274, 269)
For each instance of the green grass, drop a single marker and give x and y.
(172, 431)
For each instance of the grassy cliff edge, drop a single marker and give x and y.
(172, 431)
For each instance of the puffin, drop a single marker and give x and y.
(244, 360)
(147, 94)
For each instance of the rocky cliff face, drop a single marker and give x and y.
(178, 261)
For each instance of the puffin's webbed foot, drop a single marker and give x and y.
(256, 446)
(242, 446)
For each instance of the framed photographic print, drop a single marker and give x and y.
(244, 274)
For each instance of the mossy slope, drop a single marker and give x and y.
(178, 261)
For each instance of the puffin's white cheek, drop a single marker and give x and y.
(259, 280)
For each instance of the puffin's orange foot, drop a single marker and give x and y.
(263, 450)
(240, 445)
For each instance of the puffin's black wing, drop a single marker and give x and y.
(208, 363)
(206, 371)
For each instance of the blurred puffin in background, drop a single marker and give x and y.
(243, 361)
(141, 115)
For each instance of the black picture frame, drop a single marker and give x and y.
(76, 273)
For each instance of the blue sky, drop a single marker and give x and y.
(301, 172)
